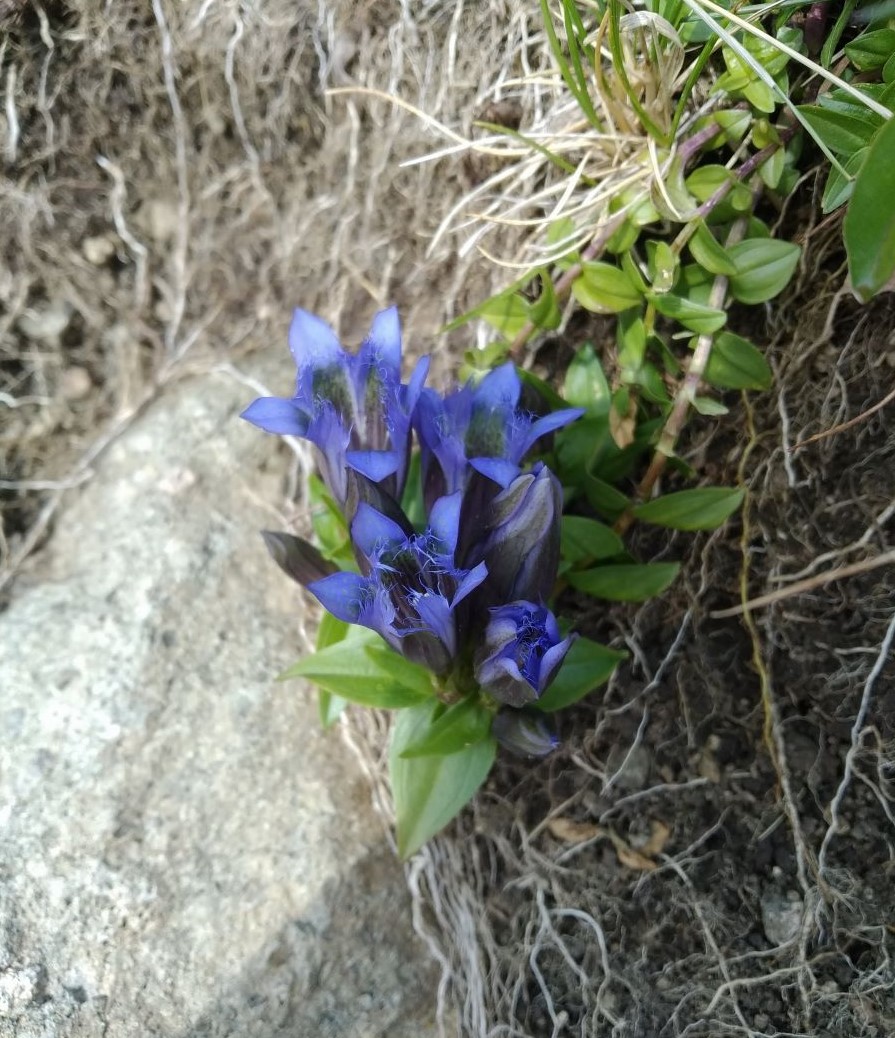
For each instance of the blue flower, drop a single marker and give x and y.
(410, 586)
(521, 654)
(480, 426)
(354, 409)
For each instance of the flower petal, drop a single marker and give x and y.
(499, 388)
(497, 469)
(370, 530)
(382, 347)
(549, 423)
(444, 520)
(469, 583)
(375, 465)
(551, 662)
(273, 414)
(341, 594)
(435, 613)
(313, 343)
(415, 386)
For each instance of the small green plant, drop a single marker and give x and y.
(720, 105)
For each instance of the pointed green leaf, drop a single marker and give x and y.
(734, 122)
(452, 729)
(507, 313)
(735, 363)
(871, 50)
(603, 497)
(870, 218)
(545, 311)
(430, 791)
(696, 316)
(587, 665)
(586, 540)
(771, 170)
(364, 672)
(703, 509)
(663, 265)
(327, 520)
(839, 186)
(842, 133)
(764, 267)
(330, 632)
(709, 253)
(626, 583)
(586, 384)
(707, 406)
(604, 289)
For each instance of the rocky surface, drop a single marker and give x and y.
(182, 851)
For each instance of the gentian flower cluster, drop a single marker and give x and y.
(464, 595)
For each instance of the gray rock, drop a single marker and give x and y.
(182, 851)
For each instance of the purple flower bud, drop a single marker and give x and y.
(521, 542)
(521, 654)
(524, 733)
(295, 557)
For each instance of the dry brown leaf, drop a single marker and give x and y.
(658, 838)
(570, 831)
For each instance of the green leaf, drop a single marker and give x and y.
(760, 96)
(764, 267)
(771, 170)
(586, 384)
(696, 316)
(586, 540)
(672, 200)
(430, 791)
(587, 665)
(604, 289)
(508, 313)
(626, 583)
(709, 253)
(327, 520)
(622, 238)
(330, 632)
(412, 499)
(364, 670)
(631, 336)
(553, 400)
(603, 497)
(735, 363)
(706, 180)
(709, 407)
(841, 133)
(870, 218)
(703, 509)
(545, 311)
(580, 443)
(839, 186)
(451, 730)
(871, 50)
(734, 122)
(663, 265)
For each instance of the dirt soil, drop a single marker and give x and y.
(712, 850)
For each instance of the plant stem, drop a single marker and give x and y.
(677, 418)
